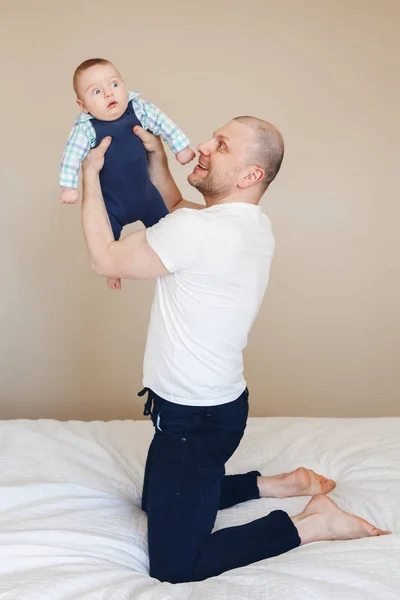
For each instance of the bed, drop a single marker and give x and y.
(72, 528)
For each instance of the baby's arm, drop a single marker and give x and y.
(185, 156)
(158, 123)
(78, 145)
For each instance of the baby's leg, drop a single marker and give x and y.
(155, 209)
(114, 283)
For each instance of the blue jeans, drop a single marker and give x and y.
(185, 485)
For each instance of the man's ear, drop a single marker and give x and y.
(81, 105)
(253, 176)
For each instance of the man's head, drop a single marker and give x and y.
(239, 161)
(100, 89)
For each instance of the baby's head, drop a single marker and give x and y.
(100, 89)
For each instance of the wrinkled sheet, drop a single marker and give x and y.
(71, 526)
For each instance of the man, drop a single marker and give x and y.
(211, 265)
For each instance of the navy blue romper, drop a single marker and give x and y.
(127, 190)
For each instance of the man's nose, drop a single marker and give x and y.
(204, 148)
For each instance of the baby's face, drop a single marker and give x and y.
(102, 93)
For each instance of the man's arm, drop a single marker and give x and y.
(160, 174)
(130, 258)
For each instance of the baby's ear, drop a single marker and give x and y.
(81, 105)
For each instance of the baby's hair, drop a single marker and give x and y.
(87, 64)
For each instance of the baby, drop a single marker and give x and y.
(108, 109)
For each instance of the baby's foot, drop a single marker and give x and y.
(69, 196)
(114, 283)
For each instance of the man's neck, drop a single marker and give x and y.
(231, 199)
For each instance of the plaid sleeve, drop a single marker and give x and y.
(78, 145)
(157, 122)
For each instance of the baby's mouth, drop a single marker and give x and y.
(112, 104)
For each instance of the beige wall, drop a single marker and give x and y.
(326, 73)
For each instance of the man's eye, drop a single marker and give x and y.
(221, 145)
(114, 84)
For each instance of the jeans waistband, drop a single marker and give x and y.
(152, 396)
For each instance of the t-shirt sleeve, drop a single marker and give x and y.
(175, 239)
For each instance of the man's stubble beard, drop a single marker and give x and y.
(212, 186)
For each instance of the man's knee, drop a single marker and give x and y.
(171, 569)
(175, 537)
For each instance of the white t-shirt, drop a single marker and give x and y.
(218, 260)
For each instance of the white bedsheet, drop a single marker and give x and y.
(71, 526)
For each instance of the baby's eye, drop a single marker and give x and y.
(114, 84)
(95, 92)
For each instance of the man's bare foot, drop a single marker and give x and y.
(301, 482)
(322, 519)
(114, 283)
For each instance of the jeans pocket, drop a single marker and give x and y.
(165, 478)
(210, 470)
(174, 423)
(209, 483)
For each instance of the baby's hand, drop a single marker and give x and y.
(69, 196)
(185, 156)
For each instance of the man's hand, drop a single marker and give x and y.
(152, 143)
(159, 172)
(94, 160)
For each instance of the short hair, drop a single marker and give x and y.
(87, 64)
(268, 149)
